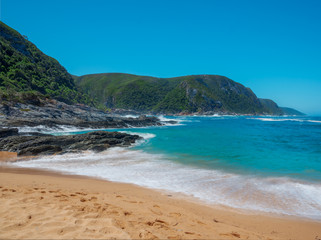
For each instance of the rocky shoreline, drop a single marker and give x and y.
(56, 115)
(45, 144)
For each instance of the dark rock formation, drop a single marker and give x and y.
(54, 114)
(6, 132)
(48, 144)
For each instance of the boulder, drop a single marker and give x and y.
(48, 144)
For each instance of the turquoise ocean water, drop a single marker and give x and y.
(269, 164)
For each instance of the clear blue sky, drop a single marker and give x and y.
(271, 46)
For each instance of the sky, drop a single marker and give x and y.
(270, 46)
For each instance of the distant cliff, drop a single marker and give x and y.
(291, 111)
(204, 94)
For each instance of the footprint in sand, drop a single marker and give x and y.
(174, 237)
(52, 191)
(156, 212)
(79, 222)
(157, 221)
(81, 193)
(113, 212)
(144, 234)
(130, 201)
(216, 221)
(173, 214)
(232, 234)
(127, 213)
(199, 222)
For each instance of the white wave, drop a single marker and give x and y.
(276, 195)
(275, 119)
(284, 120)
(46, 129)
(39, 128)
(166, 119)
(271, 119)
(314, 121)
(131, 116)
(145, 136)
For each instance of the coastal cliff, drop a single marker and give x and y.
(194, 94)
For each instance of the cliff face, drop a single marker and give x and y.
(25, 70)
(186, 94)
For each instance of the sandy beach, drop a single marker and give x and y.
(37, 204)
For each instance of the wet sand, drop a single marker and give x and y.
(39, 204)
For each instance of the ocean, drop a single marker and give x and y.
(254, 163)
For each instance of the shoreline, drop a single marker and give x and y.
(11, 157)
(137, 212)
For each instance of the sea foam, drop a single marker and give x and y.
(285, 120)
(274, 195)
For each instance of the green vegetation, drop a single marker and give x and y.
(291, 111)
(25, 69)
(272, 106)
(196, 93)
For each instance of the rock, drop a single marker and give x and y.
(54, 114)
(170, 122)
(48, 144)
(99, 147)
(44, 150)
(33, 134)
(6, 132)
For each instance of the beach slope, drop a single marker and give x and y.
(45, 205)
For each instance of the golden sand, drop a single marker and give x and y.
(39, 204)
(7, 156)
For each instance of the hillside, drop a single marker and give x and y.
(272, 106)
(188, 94)
(28, 74)
(291, 111)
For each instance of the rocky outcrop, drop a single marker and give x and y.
(54, 114)
(48, 144)
(110, 122)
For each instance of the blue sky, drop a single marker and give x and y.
(271, 46)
